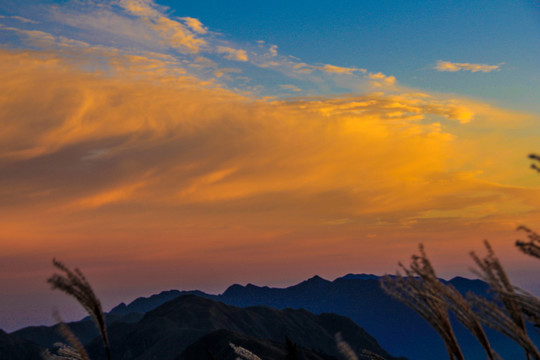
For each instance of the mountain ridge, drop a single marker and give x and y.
(359, 297)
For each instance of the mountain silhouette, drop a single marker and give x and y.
(399, 329)
(14, 348)
(180, 328)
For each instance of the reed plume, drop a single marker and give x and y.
(493, 316)
(344, 348)
(536, 158)
(515, 302)
(531, 247)
(74, 351)
(419, 290)
(74, 283)
(492, 272)
(64, 352)
(366, 354)
(244, 353)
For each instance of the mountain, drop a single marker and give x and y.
(142, 305)
(85, 330)
(187, 325)
(13, 348)
(359, 297)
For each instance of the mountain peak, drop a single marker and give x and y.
(313, 282)
(359, 276)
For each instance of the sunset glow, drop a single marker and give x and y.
(154, 150)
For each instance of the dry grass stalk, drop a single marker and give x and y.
(466, 316)
(244, 353)
(508, 320)
(73, 283)
(344, 348)
(493, 273)
(496, 318)
(422, 267)
(531, 247)
(530, 305)
(366, 354)
(536, 158)
(75, 350)
(420, 290)
(64, 352)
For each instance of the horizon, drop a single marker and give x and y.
(73, 313)
(160, 145)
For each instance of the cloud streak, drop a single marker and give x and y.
(232, 54)
(454, 67)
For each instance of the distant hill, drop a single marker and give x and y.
(359, 297)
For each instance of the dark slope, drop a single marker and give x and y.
(216, 345)
(13, 348)
(164, 333)
(85, 330)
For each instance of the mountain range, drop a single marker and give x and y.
(399, 329)
(193, 321)
(190, 327)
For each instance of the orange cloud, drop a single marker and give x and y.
(453, 67)
(172, 32)
(157, 170)
(195, 25)
(381, 80)
(340, 69)
(232, 54)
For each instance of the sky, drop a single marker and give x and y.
(192, 145)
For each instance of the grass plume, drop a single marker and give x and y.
(244, 353)
(531, 247)
(74, 283)
(419, 290)
(344, 348)
(74, 351)
(536, 158)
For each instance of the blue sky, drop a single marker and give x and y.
(404, 39)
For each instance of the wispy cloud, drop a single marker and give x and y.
(117, 29)
(175, 33)
(304, 68)
(453, 67)
(195, 25)
(340, 69)
(20, 18)
(290, 87)
(381, 80)
(232, 54)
